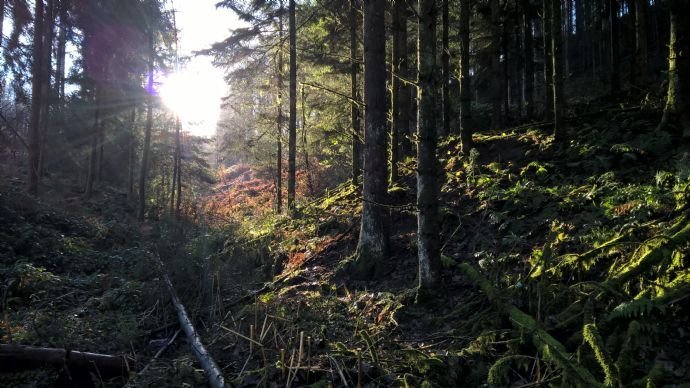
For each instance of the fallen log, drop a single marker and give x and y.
(215, 378)
(59, 357)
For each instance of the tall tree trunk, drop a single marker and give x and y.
(614, 76)
(279, 119)
(548, 63)
(178, 205)
(677, 108)
(445, 63)
(46, 60)
(566, 28)
(465, 92)
(147, 133)
(496, 76)
(2, 43)
(427, 168)
(373, 237)
(93, 154)
(640, 43)
(292, 125)
(528, 54)
(400, 96)
(558, 70)
(176, 161)
(305, 145)
(354, 95)
(505, 74)
(63, 30)
(36, 102)
(131, 143)
(581, 20)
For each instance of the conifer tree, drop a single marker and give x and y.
(427, 168)
(373, 236)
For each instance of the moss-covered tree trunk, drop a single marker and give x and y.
(292, 124)
(465, 92)
(677, 108)
(373, 236)
(355, 114)
(427, 165)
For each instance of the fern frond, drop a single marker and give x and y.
(652, 257)
(498, 373)
(551, 349)
(593, 338)
(644, 304)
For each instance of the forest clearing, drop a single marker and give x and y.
(360, 193)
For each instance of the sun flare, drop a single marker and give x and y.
(195, 95)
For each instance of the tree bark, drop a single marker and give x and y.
(178, 204)
(176, 162)
(63, 30)
(131, 152)
(400, 95)
(2, 43)
(46, 60)
(614, 76)
(465, 92)
(305, 145)
(445, 64)
(677, 108)
(373, 237)
(292, 125)
(36, 102)
(93, 154)
(279, 118)
(548, 62)
(640, 70)
(147, 133)
(427, 168)
(355, 115)
(496, 76)
(558, 70)
(581, 19)
(528, 54)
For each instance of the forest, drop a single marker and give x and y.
(394, 193)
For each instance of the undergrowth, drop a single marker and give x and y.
(563, 267)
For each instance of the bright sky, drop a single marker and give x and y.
(195, 92)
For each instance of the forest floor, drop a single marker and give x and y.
(563, 266)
